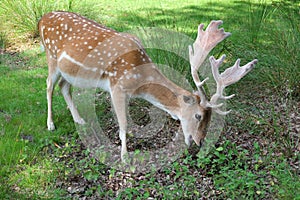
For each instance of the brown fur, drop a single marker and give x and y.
(163, 94)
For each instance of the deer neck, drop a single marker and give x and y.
(162, 93)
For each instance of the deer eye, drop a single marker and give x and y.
(198, 117)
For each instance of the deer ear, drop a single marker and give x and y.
(189, 100)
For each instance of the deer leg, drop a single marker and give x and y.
(51, 80)
(50, 87)
(119, 103)
(65, 90)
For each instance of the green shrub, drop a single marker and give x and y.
(21, 17)
(3, 40)
(286, 42)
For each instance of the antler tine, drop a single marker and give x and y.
(228, 77)
(204, 43)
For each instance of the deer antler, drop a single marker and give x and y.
(228, 77)
(204, 43)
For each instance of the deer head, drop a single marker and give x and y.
(194, 125)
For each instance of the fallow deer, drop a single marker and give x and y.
(86, 54)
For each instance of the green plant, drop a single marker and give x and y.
(35, 179)
(22, 16)
(3, 40)
(287, 37)
(285, 181)
(276, 25)
(259, 15)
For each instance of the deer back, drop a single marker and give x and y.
(83, 48)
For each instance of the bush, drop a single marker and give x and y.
(21, 17)
(286, 48)
(3, 40)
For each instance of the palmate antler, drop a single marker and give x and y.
(204, 43)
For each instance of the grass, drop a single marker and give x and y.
(256, 156)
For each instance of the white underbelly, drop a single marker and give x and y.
(87, 83)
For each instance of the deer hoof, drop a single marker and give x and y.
(51, 126)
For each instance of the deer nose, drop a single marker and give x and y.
(191, 139)
(201, 143)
